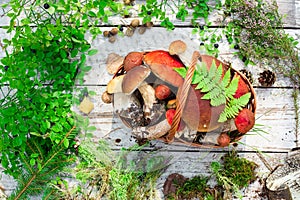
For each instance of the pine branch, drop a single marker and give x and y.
(35, 177)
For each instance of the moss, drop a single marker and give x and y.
(239, 170)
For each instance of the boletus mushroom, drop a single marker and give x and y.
(162, 64)
(134, 79)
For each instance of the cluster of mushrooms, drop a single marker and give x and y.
(143, 92)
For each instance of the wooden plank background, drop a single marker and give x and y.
(275, 107)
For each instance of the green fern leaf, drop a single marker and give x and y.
(226, 78)
(231, 89)
(234, 106)
(219, 90)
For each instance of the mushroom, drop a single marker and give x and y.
(177, 47)
(132, 60)
(133, 80)
(113, 63)
(106, 98)
(155, 131)
(128, 108)
(244, 121)
(162, 91)
(115, 84)
(198, 114)
(162, 63)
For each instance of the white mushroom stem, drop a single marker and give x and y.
(148, 95)
(153, 132)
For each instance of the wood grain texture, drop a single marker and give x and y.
(275, 107)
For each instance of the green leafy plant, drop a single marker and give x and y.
(45, 57)
(41, 167)
(257, 28)
(158, 9)
(231, 174)
(219, 90)
(102, 173)
(194, 187)
(234, 173)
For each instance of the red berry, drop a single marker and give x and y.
(170, 115)
(223, 140)
(244, 121)
(162, 92)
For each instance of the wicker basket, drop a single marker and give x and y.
(181, 100)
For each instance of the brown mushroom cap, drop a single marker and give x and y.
(133, 79)
(132, 60)
(177, 47)
(162, 63)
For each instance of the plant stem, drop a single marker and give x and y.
(296, 105)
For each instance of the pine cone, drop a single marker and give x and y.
(248, 75)
(267, 78)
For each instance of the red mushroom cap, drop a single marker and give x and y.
(162, 63)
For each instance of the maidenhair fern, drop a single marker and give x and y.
(219, 90)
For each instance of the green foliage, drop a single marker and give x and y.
(257, 27)
(219, 90)
(158, 9)
(234, 173)
(45, 57)
(40, 169)
(194, 187)
(131, 174)
(231, 174)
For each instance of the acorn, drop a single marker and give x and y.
(135, 23)
(149, 24)
(106, 33)
(114, 31)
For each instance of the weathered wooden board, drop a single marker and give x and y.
(275, 107)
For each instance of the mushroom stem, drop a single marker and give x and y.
(148, 95)
(153, 132)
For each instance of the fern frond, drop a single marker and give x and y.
(219, 90)
(234, 106)
(231, 89)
